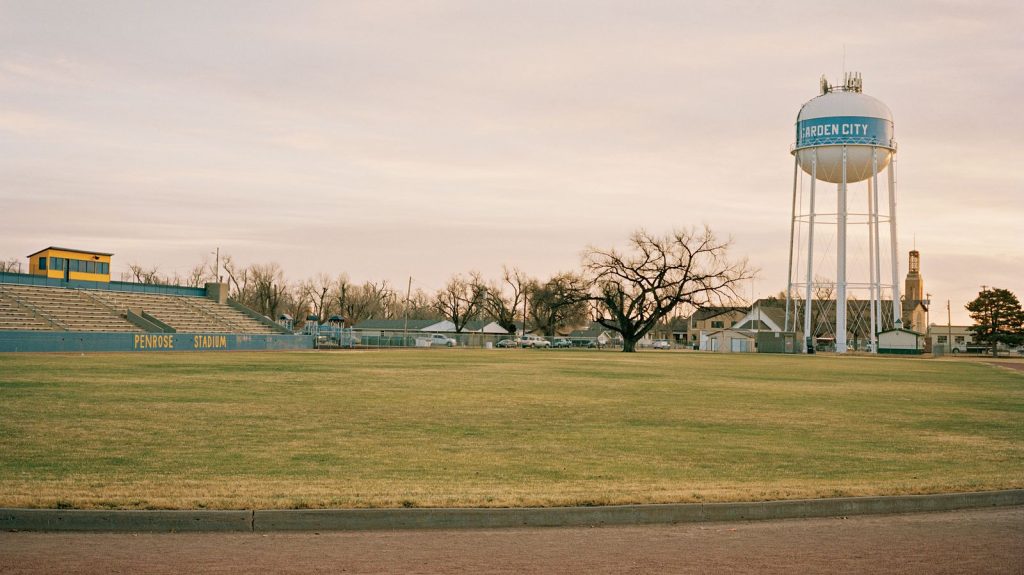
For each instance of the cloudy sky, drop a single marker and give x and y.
(393, 139)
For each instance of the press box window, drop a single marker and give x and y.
(42, 263)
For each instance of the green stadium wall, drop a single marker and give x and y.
(77, 341)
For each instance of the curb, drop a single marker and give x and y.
(124, 521)
(487, 518)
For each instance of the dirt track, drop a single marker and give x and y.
(977, 541)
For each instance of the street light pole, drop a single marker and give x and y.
(216, 271)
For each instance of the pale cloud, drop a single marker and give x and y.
(388, 139)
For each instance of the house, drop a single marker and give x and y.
(597, 334)
(765, 315)
(430, 326)
(951, 338)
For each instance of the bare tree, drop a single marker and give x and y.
(368, 301)
(559, 302)
(12, 265)
(199, 275)
(318, 292)
(460, 300)
(238, 279)
(142, 275)
(297, 304)
(499, 306)
(268, 288)
(639, 288)
(419, 306)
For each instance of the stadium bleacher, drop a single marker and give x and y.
(33, 307)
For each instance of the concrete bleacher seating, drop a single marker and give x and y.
(30, 307)
(186, 314)
(15, 316)
(59, 309)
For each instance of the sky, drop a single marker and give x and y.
(388, 140)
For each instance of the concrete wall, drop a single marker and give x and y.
(68, 341)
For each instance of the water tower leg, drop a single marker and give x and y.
(897, 308)
(841, 267)
(808, 307)
(792, 235)
(872, 256)
(878, 252)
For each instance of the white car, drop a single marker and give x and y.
(661, 344)
(530, 340)
(441, 340)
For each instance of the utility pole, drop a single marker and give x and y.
(949, 328)
(524, 315)
(405, 332)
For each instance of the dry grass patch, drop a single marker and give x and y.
(496, 428)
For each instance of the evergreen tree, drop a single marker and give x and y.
(998, 318)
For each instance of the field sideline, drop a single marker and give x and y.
(429, 428)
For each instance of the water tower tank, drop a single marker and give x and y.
(837, 118)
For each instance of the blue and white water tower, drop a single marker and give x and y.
(843, 137)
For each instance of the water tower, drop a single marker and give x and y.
(844, 143)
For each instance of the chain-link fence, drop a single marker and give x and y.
(383, 339)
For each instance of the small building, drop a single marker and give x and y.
(729, 340)
(900, 341)
(70, 264)
(949, 338)
(778, 342)
(707, 319)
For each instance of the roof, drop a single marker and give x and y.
(395, 324)
(713, 311)
(77, 251)
(743, 332)
(593, 330)
(903, 330)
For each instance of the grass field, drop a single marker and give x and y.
(496, 428)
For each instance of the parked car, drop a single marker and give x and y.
(561, 342)
(507, 343)
(530, 340)
(661, 344)
(441, 340)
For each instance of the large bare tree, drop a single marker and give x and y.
(639, 287)
(460, 300)
(560, 302)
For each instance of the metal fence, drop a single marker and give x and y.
(34, 280)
